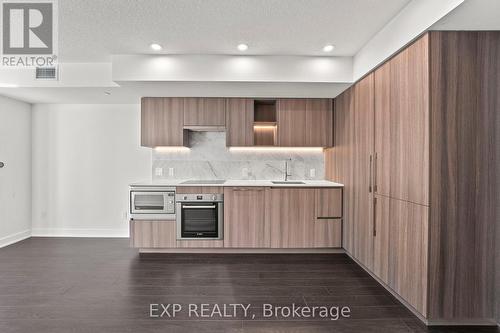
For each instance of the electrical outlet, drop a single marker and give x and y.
(312, 173)
(158, 171)
(125, 215)
(244, 172)
(171, 172)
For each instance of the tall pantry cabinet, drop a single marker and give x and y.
(414, 144)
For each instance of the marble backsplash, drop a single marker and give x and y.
(209, 158)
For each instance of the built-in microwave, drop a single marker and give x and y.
(152, 203)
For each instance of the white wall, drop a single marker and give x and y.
(15, 177)
(84, 157)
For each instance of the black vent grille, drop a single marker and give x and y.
(46, 73)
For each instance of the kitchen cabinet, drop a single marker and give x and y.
(381, 241)
(204, 111)
(408, 241)
(239, 122)
(434, 204)
(152, 234)
(162, 122)
(327, 233)
(319, 122)
(328, 203)
(290, 212)
(244, 218)
(339, 161)
(305, 122)
(291, 117)
(362, 169)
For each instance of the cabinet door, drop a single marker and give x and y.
(383, 135)
(239, 122)
(291, 122)
(319, 123)
(290, 214)
(244, 218)
(204, 111)
(327, 233)
(340, 160)
(409, 124)
(362, 179)
(381, 238)
(328, 203)
(408, 252)
(152, 234)
(162, 122)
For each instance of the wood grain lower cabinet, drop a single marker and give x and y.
(328, 203)
(290, 212)
(408, 241)
(327, 233)
(204, 111)
(381, 243)
(152, 234)
(162, 122)
(244, 218)
(239, 122)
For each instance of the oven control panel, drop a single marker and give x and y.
(206, 197)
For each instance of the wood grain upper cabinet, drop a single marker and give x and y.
(383, 135)
(408, 134)
(319, 123)
(305, 122)
(201, 111)
(291, 116)
(244, 218)
(162, 122)
(239, 122)
(290, 214)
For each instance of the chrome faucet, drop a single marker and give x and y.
(286, 169)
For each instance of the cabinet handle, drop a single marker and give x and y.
(370, 175)
(374, 217)
(375, 167)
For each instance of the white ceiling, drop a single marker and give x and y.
(92, 30)
(472, 15)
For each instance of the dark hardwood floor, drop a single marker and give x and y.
(100, 285)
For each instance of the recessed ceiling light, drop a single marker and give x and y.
(156, 47)
(242, 47)
(328, 48)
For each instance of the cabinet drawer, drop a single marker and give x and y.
(152, 234)
(329, 203)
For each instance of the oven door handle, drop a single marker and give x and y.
(199, 207)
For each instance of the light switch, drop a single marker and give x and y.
(171, 172)
(158, 171)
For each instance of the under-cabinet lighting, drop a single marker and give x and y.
(171, 149)
(264, 126)
(279, 149)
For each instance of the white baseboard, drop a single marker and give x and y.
(70, 232)
(14, 238)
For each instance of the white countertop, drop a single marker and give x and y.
(233, 182)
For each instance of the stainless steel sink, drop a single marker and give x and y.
(288, 182)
